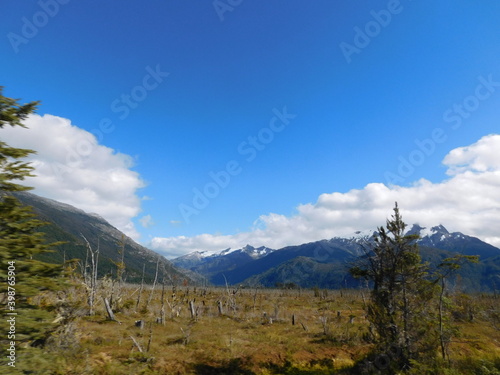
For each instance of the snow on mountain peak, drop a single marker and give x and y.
(248, 249)
(425, 232)
(436, 234)
(440, 229)
(363, 234)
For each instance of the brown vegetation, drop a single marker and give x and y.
(260, 331)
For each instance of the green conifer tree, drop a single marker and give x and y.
(23, 278)
(402, 320)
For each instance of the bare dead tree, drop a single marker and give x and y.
(120, 270)
(150, 337)
(162, 309)
(141, 288)
(111, 315)
(254, 299)
(192, 310)
(137, 345)
(173, 304)
(85, 266)
(231, 296)
(325, 324)
(219, 307)
(154, 282)
(121, 264)
(90, 281)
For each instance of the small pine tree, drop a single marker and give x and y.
(27, 278)
(446, 268)
(401, 320)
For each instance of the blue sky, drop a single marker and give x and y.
(353, 117)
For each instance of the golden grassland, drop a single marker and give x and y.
(257, 331)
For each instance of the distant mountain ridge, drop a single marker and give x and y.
(321, 264)
(439, 237)
(213, 265)
(325, 263)
(69, 224)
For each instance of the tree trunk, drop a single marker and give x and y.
(154, 282)
(142, 287)
(136, 344)
(111, 315)
(192, 309)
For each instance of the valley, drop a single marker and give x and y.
(253, 310)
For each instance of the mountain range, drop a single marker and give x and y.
(322, 264)
(325, 263)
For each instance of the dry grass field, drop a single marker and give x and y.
(245, 331)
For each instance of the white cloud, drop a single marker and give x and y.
(147, 221)
(72, 167)
(469, 202)
(482, 156)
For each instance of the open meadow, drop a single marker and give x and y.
(198, 330)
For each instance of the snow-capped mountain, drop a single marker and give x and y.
(440, 238)
(209, 263)
(325, 263)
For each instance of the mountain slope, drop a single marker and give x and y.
(213, 264)
(325, 263)
(439, 237)
(306, 273)
(325, 251)
(67, 223)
